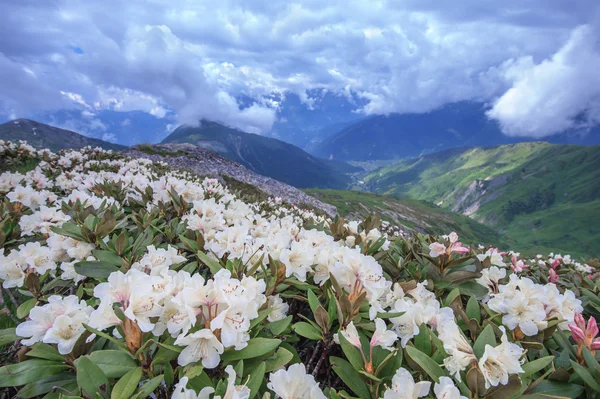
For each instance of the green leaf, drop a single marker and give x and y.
(350, 377)
(307, 330)
(389, 315)
(473, 311)
(426, 363)
(451, 296)
(45, 351)
(487, 337)
(282, 357)
(256, 378)
(149, 387)
(213, 265)
(8, 336)
(422, 341)
(90, 377)
(352, 353)
(95, 269)
(113, 363)
(589, 380)
(29, 371)
(555, 388)
(277, 327)
(261, 316)
(473, 288)
(530, 368)
(256, 347)
(25, 307)
(104, 335)
(591, 361)
(313, 301)
(45, 385)
(108, 257)
(127, 384)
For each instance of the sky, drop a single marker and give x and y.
(534, 63)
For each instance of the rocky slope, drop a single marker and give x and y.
(207, 163)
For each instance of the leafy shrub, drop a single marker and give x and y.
(127, 280)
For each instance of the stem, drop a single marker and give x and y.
(314, 354)
(322, 358)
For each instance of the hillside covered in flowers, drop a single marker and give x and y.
(122, 278)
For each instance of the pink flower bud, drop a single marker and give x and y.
(555, 264)
(577, 333)
(595, 345)
(552, 277)
(592, 329)
(580, 321)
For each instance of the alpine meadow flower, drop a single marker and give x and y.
(497, 363)
(200, 345)
(294, 383)
(445, 389)
(404, 386)
(382, 336)
(436, 249)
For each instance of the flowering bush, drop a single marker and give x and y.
(127, 280)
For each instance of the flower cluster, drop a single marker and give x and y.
(529, 306)
(200, 293)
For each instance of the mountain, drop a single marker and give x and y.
(306, 122)
(266, 156)
(40, 136)
(541, 195)
(399, 136)
(409, 214)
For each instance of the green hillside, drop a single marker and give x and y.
(266, 156)
(543, 195)
(410, 214)
(41, 136)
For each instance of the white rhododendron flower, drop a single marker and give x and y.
(382, 336)
(181, 392)
(404, 386)
(294, 383)
(201, 345)
(436, 249)
(529, 306)
(494, 256)
(445, 389)
(60, 322)
(278, 308)
(497, 363)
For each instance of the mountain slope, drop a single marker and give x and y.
(263, 155)
(40, 136)
(410, 214)
(539, 193)
(402, 136)
(207, 163)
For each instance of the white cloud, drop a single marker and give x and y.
(556, 94)
(193, 59)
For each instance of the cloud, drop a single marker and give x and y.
(556, 94)
(191, 60)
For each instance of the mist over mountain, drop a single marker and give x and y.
(398, 136)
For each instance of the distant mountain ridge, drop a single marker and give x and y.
(266, 156)
(40, 136)
(541, 195)
(400, 136)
